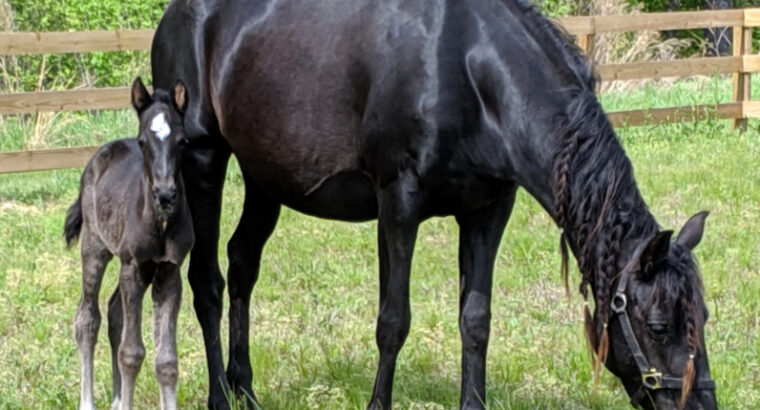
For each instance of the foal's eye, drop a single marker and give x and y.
(183, 142)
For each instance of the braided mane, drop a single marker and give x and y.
(597, 204)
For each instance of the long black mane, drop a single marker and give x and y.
(598, 205)
(597, 202)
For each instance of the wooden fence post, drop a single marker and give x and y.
(742, 46)
(586, 43)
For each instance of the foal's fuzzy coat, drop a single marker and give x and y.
(132, 204)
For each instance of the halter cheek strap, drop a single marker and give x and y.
(651, 378)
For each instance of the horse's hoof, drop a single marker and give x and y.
(222, 404)
(376, 405)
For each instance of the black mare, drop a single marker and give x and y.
(404, 110)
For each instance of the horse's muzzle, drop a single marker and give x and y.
(165, 199)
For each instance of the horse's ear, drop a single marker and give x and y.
(655, 252)
(140, 95)
(692, 230)
(179, 97)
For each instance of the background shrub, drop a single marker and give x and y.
(96, 69)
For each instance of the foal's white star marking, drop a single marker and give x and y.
(160, 127)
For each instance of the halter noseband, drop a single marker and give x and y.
(651, 378)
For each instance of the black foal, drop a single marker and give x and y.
(132, 204)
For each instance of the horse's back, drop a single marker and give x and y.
(315, 98)
(114, 161)
(302, 90)
(110, 186)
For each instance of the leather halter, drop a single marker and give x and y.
(651, 379)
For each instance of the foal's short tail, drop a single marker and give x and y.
(73, 222)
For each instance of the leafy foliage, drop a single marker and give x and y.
(557, 8)
(97, 69)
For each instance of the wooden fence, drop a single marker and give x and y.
(740, 64)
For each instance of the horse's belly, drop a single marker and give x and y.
(347, 196)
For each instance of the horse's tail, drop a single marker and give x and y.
(73, 223)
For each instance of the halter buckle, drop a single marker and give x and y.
(619, 302)
(652, 380)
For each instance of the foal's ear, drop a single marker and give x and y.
(655, 252)
(692, 230)
(179, 96)
(140, 96)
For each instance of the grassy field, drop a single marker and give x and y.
(314, 307)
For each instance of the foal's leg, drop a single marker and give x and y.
(132, 285)
(167, 294)
(115, 324)
(479, 236)
(203, 171)
(95, 257)
(257, 222)
(397, 230)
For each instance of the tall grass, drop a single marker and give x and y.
(313, 311)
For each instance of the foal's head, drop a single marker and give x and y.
(161, 139)
(660, 293)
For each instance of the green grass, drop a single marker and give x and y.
(67, 129)
(314, 307)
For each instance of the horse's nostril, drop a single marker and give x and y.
(166, 197)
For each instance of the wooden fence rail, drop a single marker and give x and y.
(584, 28)
(74, 42)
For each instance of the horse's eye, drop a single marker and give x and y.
(659, 330)
(183, 142)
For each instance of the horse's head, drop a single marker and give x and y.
(161, 139)
(656, 328)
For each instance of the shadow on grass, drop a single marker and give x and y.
(347, 384)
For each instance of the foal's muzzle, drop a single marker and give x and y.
(165, 199)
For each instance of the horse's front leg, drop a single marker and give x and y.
(398, 220)
(256, 224)
(95, 257)
(167, 295)
(480, 232)
(133, 282)
(203, 171)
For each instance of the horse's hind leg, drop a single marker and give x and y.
(167, 294)
(95, 257)
(257, 222)
(132, 285)
(480, 232)
(115, 324)
(397, 230)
